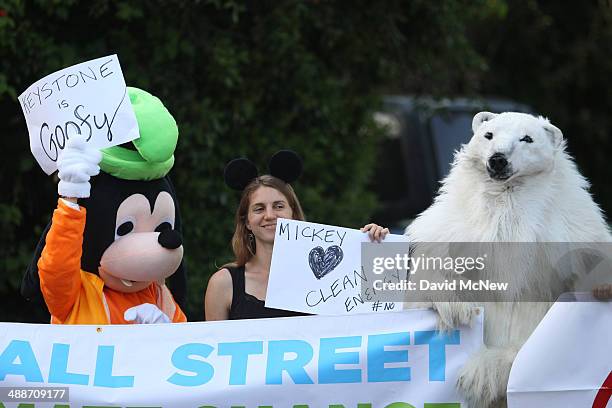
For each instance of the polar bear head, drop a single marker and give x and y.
(510, 145)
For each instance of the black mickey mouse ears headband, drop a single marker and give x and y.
(239, 172)
(284, 164)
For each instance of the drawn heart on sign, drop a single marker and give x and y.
(323, 262)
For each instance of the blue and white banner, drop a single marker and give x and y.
(392, 360)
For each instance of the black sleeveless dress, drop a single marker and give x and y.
(245, 306)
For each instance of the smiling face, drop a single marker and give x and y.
(249, 217)
(265, 206)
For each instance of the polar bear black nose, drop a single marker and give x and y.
(498, 162)
(170, 239)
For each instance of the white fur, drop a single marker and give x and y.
(544, 200)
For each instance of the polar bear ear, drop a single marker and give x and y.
(481, 117)
(555, 134)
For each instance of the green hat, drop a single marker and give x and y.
(154, 154)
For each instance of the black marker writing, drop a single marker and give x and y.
(37, 96)
(348, 282)
(53, 139)
(311, 233)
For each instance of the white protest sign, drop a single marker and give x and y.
(316, 269)
(317, 361)
(566, 362)
(89, 99)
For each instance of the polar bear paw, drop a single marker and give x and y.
(484, 378)
(454, 314)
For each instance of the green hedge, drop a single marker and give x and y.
(241, 78)
(555, 55)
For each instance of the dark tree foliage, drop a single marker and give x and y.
(555, 56)
(251, 77)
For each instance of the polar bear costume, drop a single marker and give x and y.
(513, 182)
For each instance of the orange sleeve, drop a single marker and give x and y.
(59, 266)
(179, 316)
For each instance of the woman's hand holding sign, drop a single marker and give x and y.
(375, 232)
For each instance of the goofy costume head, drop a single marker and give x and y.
(105, 258)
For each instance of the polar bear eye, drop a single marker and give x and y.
(527, 139)
(488, 135)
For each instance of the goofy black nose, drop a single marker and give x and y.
(170, 239)
(498, 162)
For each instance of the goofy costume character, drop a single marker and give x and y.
(112, 243)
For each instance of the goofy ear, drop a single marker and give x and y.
(481, 117)
(30, 282)
(178, 280)
(555, 134)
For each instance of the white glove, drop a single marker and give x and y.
(77, 162)
(146, 313)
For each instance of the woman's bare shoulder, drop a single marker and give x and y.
(221, 279)
(219, 294)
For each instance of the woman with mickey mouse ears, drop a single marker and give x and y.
(238, 290)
